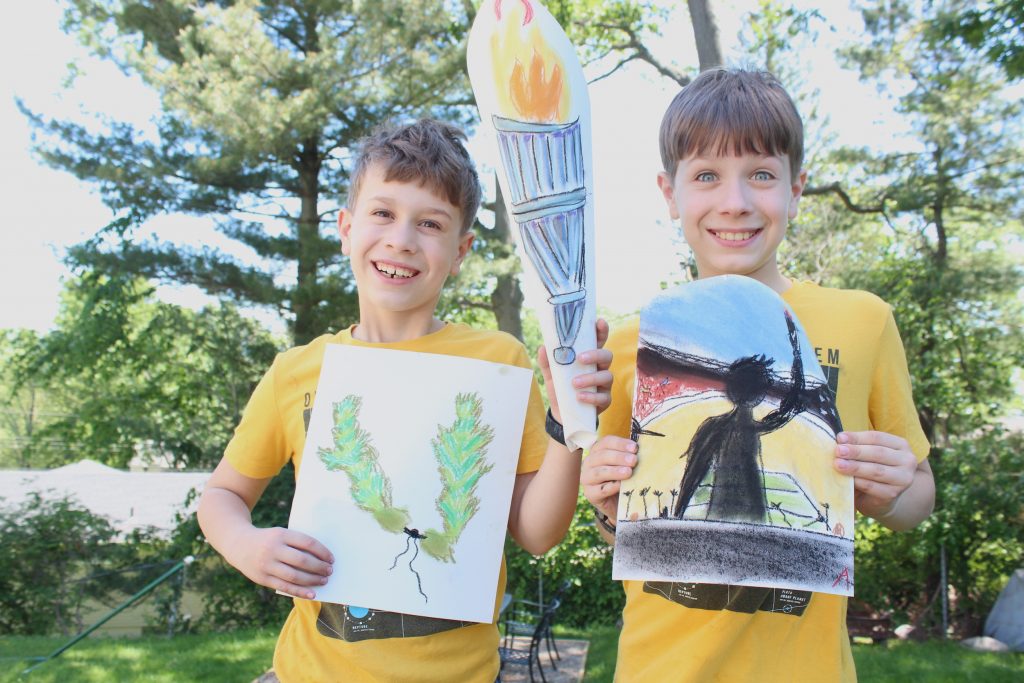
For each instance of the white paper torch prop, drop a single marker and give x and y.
(530, 90)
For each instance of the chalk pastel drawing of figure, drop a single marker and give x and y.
(728, 446)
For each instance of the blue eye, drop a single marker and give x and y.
(705, 177)
(763, 175)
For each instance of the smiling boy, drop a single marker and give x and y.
(732, 150)
(414, 195)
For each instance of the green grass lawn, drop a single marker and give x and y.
(897, 661)
(223, 657)
(243, 655)
(935, 662)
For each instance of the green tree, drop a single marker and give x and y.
(260, 105)
(951, 205)
(24, 405)
(135, 376)
(932, 227)
(996, 29)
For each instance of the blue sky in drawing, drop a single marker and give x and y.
(725, 318)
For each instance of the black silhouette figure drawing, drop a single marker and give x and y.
(735, 424)
(728, 446)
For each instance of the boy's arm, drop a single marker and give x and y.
(793, 402)
(611, 460)
(892, 479)
(281, 559)
(890, 485)
(543, 502)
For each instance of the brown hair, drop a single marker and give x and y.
(428, 152)
(726, 111)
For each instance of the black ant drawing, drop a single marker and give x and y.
(729, 445)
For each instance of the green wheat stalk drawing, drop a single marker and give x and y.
(460, 451)
(355, 455)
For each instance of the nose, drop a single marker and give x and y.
(735, 198)
(401, 236)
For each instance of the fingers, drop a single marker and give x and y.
(602, 358)
(878, 463)
(602, 332)
(870, 475)
(882, 466)
(870, 438)
(290, 562)
(318, 550)
(542, 360)
(594, 388)
(610, 462)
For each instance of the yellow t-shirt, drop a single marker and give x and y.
(704, 632)
(326, 642)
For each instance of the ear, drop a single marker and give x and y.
(797, 190)
(344, 228)
(668, 192)
(465, 244)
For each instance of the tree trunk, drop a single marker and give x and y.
(306, 292)
(507, 297)
(705, 32)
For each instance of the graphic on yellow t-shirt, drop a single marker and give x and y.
(736, 426)
(460, 451)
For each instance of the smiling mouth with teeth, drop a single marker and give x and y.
(734, 236)
(394, 272)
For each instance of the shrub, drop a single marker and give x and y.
(584, 559)
(979, 518)
(50, 544)
(230, 600)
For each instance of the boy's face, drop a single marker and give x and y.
(403, 241)
(734, 212)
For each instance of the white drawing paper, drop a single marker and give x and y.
(736, 425)
(407, 477)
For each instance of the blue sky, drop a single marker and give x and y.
(725, 318)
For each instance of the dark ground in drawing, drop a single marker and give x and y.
(731, 552)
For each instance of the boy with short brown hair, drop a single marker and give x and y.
(732, 149)
(414, 195)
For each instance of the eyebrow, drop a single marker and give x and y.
(718, 157)
(385, 199)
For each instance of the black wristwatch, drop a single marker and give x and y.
(554, 428)
(604, 520)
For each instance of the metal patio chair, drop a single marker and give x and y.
(539, 632)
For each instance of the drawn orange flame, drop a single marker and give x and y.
(535, 86)
(536, 96)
